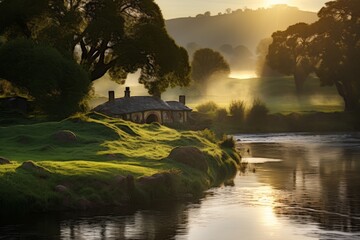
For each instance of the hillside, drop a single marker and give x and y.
(242, 27)
(91, 161)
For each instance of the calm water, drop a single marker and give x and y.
(299, 186)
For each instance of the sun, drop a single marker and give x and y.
(275, 2)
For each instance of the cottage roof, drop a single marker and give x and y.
(139, 104)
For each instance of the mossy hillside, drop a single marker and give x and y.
(93, 167)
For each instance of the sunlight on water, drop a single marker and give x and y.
(244, 212)
(259, 160)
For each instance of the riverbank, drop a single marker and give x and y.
(278, 123)
(92, 161)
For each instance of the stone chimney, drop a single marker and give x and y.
(127, 92)
(182, 99)
(111, 96)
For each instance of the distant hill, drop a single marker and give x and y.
(241, 27)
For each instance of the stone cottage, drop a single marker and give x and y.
(145, 109)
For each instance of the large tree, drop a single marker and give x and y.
(104, 36)
(329, 47)
(288, 53)
(336, 47)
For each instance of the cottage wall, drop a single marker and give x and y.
(137, 117)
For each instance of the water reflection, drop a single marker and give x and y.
(320, 176)
(143, 224)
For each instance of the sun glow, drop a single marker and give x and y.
(275, 2)
(243, 74)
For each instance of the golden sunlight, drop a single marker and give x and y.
(275, 2)
(243, 74)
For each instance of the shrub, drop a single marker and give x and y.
(209, 135)
(237, 110)
(258, 113)
(227, 142)
(221, 114)
(208, 107)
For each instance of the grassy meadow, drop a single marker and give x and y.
(111, 162)
(278, 93)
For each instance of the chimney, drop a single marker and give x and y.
(127, 92)
(111, 96)
(182, 99)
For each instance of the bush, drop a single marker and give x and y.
(208, 107)
(237, 110)
(227, 142)
(221, 114)
(209, 135)
(258, 113)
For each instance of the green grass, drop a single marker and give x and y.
(105, 149)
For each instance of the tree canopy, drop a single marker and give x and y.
(288, 53)
(207, 62)
(104, 36)
(329, 47)
(56, 84)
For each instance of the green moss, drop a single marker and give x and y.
(93, 167)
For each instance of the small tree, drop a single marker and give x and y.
(208, 107)
(207, 62)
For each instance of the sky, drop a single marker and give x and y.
(186, 8)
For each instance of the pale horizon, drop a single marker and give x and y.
(190, 8)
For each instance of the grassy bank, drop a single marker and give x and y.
(93, 161)
(271, 123)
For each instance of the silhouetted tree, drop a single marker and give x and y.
(207, 62)
(262, 67)
(57, 85)
(289, 53)
(336, 47)
(104, 36)
(329, 47)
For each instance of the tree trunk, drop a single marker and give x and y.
(300, 78)
(299, 83)
(351, 101)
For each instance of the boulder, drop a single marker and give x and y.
(61, 189)
(4, 161)
(65, 136)
(30, 166)
(156, 179)
(190, 156)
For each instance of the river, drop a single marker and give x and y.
(297, 186)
